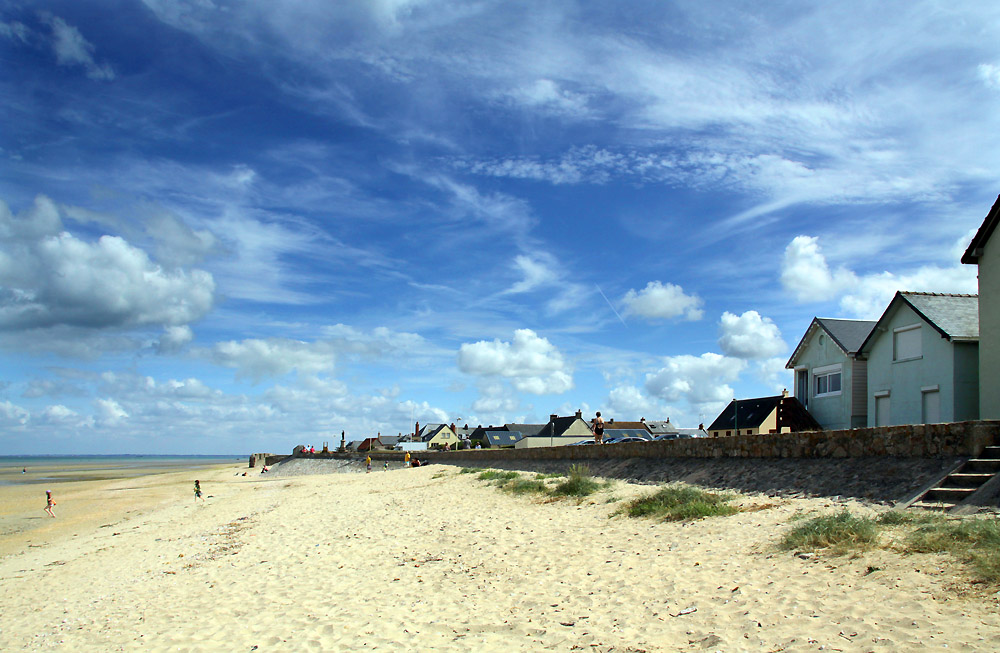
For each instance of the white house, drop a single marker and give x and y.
(923, 360)
(829, 380)
(985, 252)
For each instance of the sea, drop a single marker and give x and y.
(17, 470)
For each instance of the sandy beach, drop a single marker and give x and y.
(431, 559)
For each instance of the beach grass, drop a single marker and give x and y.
(840, 533)
(976, 542)
(681, 503)
(579, 483)
(499, 475)
(471, 470)
(526, 486)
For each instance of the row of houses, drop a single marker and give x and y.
(930, 357)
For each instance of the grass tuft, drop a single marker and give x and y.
(578, 483)
(681, 502)
(974, 541)
(840, 532)
(471, 470)
(526, 486)
(497, 475)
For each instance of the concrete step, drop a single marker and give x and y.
(991, 451)
(967, 479)
(982, 466)
(951, 494)
(924, 504)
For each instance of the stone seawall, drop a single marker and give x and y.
(880, 464)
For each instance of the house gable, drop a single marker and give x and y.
(975, 249)
(984, 252)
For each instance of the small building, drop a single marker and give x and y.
(830, 381)
(762, 416)
(984, 252)
(923, 360)
(440, 437)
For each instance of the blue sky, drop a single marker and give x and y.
(229, 227)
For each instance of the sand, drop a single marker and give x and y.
(430, 559)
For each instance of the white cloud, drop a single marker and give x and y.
(273, 357)
(12, 414)
(109, 412)
(630, 403)
(807, 275)
(174, 338)
(14, 31)
(662, 301)
(71, 49)
(749, 336)
(990, 74)
(52, 279)
(772, 373)
(58, 413)
(696, 379)
(536, 273)
(547, 95)
(531, 363)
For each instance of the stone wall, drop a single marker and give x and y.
(958, 439)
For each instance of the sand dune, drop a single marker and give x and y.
(429, 559)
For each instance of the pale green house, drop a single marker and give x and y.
(985, 252)
(829, 381)
(923, 360)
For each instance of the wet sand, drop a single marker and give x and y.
(431, 559)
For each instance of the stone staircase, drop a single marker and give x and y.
(962, 483)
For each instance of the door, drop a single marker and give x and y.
(802, 386)
(930, 407)
(882, 411)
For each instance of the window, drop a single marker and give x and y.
(906, 343)
(827, 380)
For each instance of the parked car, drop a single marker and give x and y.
(666, 436)
(573, 444)
(629, 438)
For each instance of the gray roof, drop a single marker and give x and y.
(956, 317)
(626, 433)
(525, 429)
(502, 438)
(849, 335)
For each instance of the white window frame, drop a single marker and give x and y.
(895, 344)
(827, 371)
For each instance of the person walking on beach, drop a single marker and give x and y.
(197, 491)
(598, 426)
(406, 458)
(368, 463)
(49, 503)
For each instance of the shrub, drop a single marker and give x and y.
(974, 541)
(470, 470)
(497, 475)
(841, 532)
(526, 486)
(577, 484)
(681, 502)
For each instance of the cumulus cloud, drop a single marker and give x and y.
(630, 402)
(12, 414)
(773, 374)
(659, 301)
(71, 49)
(58, 413)
(696, 379)
(257, 359)
(174, 338)
(749, 336)
(50, 278)
(109, 412)
(806, 274)
(531, 363)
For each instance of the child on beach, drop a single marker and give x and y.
(368, 462)
(49, 503)
(197, 491)
(386, 466)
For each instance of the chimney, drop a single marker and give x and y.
(701, 427)
(611, 421)
(453, 426)
(784, 393)
(643, 420)
(668, 420)
(416, 429)
(553, 417)
(579, 414)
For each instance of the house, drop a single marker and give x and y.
(923, 360)
(640, 425)
(763, 415)
(985, 252)
(439, 437)
(500, 438)
(830, 381)
(659, 427)
(612, 431)
(369, 444)
(558, 431)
